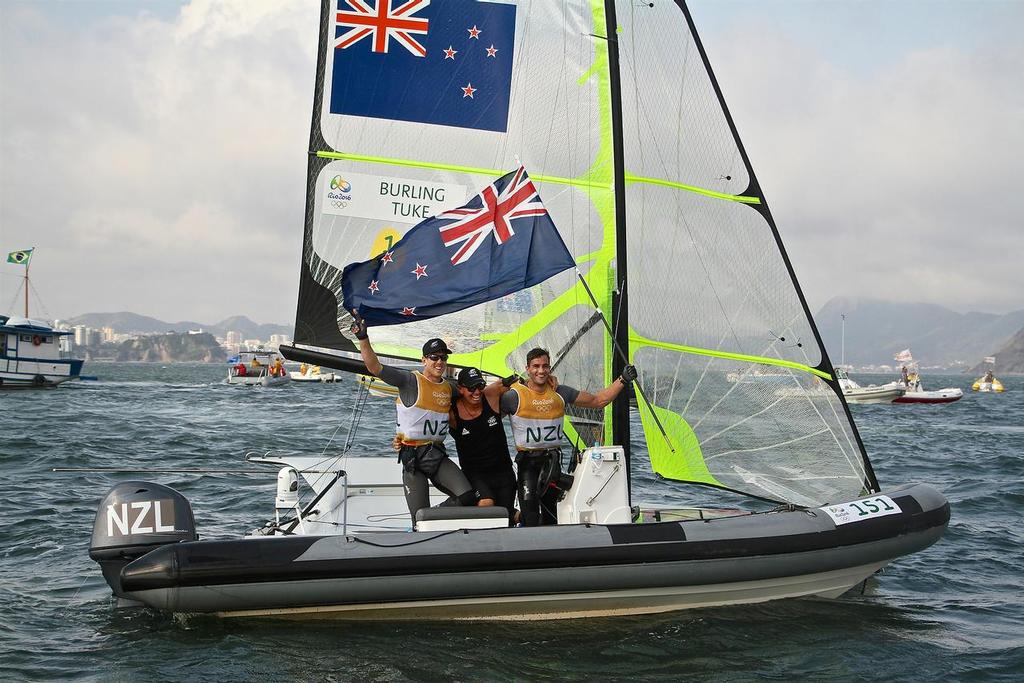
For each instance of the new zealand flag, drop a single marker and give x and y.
(445, 62)
(501, 242)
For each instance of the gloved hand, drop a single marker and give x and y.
(628, 374)
(358, 325)
(510, 380)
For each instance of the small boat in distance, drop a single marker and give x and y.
(312, 373)
(257, 368)
(987, 383)
(32, 354)
(910, 379)
(855, 393)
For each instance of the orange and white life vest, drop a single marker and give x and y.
(426, 420)
(537, 422)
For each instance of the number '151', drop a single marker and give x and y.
(871, 506)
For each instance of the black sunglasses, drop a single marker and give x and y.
(438, 356)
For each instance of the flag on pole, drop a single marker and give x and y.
(502, 241)
(20, 257)
(990, 359)
(904, 356)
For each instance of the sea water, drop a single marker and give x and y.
(951, 612)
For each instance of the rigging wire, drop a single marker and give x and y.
(625, 358)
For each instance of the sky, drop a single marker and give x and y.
(154, 153)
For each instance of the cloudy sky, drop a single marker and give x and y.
(154, 152)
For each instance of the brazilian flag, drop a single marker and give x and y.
(20, 257)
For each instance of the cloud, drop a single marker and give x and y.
(158, 161)
(896, 181)
(158, 164)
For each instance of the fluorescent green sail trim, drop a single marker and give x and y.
(630, 178)
(455, 168)
(686, 462)
(589, 180)
(636, 339)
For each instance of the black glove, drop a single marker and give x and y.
(358, 326)
(510, 380)
(628, 374)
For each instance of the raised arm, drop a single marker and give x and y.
(608, 394)
(370, 359)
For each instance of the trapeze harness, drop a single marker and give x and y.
(537, 431)
(423, 426)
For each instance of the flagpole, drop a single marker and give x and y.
(26, 281)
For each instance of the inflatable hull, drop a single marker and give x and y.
(542, 573)
(938, 396)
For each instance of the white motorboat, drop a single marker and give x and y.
(916, 393)
(313, 373)
(855, 393)
(257, 368)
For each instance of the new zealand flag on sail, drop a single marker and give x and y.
(501, 242)
(445, 62)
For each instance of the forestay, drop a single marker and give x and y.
(419, 104)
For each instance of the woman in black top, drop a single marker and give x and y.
(480, 440)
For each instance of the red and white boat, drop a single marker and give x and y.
(916, 394)
(921, 396)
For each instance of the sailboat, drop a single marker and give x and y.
(32, 353)
(614, 108)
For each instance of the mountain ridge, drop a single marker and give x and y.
(877, 330)
(126, 322)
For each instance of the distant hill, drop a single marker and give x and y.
(133, 323)
(876, 330)
(1009, 358)
(170, 348)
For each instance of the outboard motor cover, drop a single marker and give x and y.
(134, 518)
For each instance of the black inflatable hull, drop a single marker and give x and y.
(545, 572)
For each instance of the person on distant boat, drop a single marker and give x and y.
(240, 370)
(277, 369)
(424, 401)
(255, 363)
(480, 439)
(537, 411)
(904, 377)
(302, 369)
(989, 377)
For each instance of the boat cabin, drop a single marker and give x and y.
(32, 353)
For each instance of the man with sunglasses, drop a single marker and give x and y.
(536, 410)
(424, 401)
(480, 439)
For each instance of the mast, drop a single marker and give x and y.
(26, 286)
(620, 308)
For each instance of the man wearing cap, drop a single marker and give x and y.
(536, 411)
(423, 405)
(480, 440)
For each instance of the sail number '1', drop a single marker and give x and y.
(859, 510)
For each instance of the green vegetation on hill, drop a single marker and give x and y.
(161, 348)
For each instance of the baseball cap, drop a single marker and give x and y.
(435, 345)
(470, 378)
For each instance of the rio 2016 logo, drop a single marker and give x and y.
(340, 192)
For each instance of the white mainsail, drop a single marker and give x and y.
(630, 144)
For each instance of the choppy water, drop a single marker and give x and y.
(953, 611)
